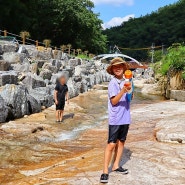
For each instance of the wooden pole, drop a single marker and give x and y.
(23, 39)
(37, 43)
(69, 50)
(5, 33)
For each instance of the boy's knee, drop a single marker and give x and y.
(111, 146)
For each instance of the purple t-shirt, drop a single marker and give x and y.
(118, 114)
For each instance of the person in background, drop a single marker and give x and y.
(60, 96)
(119, 117)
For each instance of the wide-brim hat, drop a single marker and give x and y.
(116, 61)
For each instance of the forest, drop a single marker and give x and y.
(63, 22)
(163, 27)
(74, 22)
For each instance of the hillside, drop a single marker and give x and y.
(165, 26)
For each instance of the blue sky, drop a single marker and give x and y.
(114, 12)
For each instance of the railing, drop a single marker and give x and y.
(39, 45)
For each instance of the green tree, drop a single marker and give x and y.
(63, 21)
(165, 26)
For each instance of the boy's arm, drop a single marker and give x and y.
(115, 100)
(55, 97)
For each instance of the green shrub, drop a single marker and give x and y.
(183, 75)
(82, 56)
(164, 68)
(175, 59)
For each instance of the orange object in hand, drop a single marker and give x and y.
(128, 76)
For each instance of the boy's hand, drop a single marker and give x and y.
(126, 89)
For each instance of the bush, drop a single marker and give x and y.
(175, 59)
(82, 56)
(183, 75)
(165, 67)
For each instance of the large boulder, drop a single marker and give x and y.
(17, 102)
(69, 70)
(44, 55)
(44, 95)
(46, 74)
(73, 88)
(32, 51)
(22, 49)
(98, 78)
(21, 67)
(50, 67)
(32, 81)
(153, 89)
(148, 73)
(6, 46)
(40, 63)
(84, 86)
(4, 65)
(34, 105)
(91, 81)
(14, 58)
(34, 68)
(15, 98)
(59, 55)
(39, 54)
(74, 62)
(8, 77)
(80, 70)
(56, 63)
(178, 95)
(3, 110)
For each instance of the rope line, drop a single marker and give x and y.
(148, 48)
(29, 43)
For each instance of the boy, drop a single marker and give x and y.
(60, 95)
(119, 117)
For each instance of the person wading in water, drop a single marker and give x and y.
(60, 96)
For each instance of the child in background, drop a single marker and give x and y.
(119, 117)
(60, 96)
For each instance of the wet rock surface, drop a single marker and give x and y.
(36, 150)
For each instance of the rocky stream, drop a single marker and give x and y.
(34, 150)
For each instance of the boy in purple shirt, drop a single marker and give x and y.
(119, 117)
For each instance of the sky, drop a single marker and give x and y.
(114, 12)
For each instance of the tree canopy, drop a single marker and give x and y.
(165, 26)
(64, 22)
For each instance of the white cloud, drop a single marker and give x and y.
(116, 21)
(114, 2)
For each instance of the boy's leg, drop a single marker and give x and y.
(118, 154)
(57, 115)
(108, 154)
(61, 115)
(115, 153)
(123, 131)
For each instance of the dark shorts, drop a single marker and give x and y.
(60, 105)
(117, 132)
